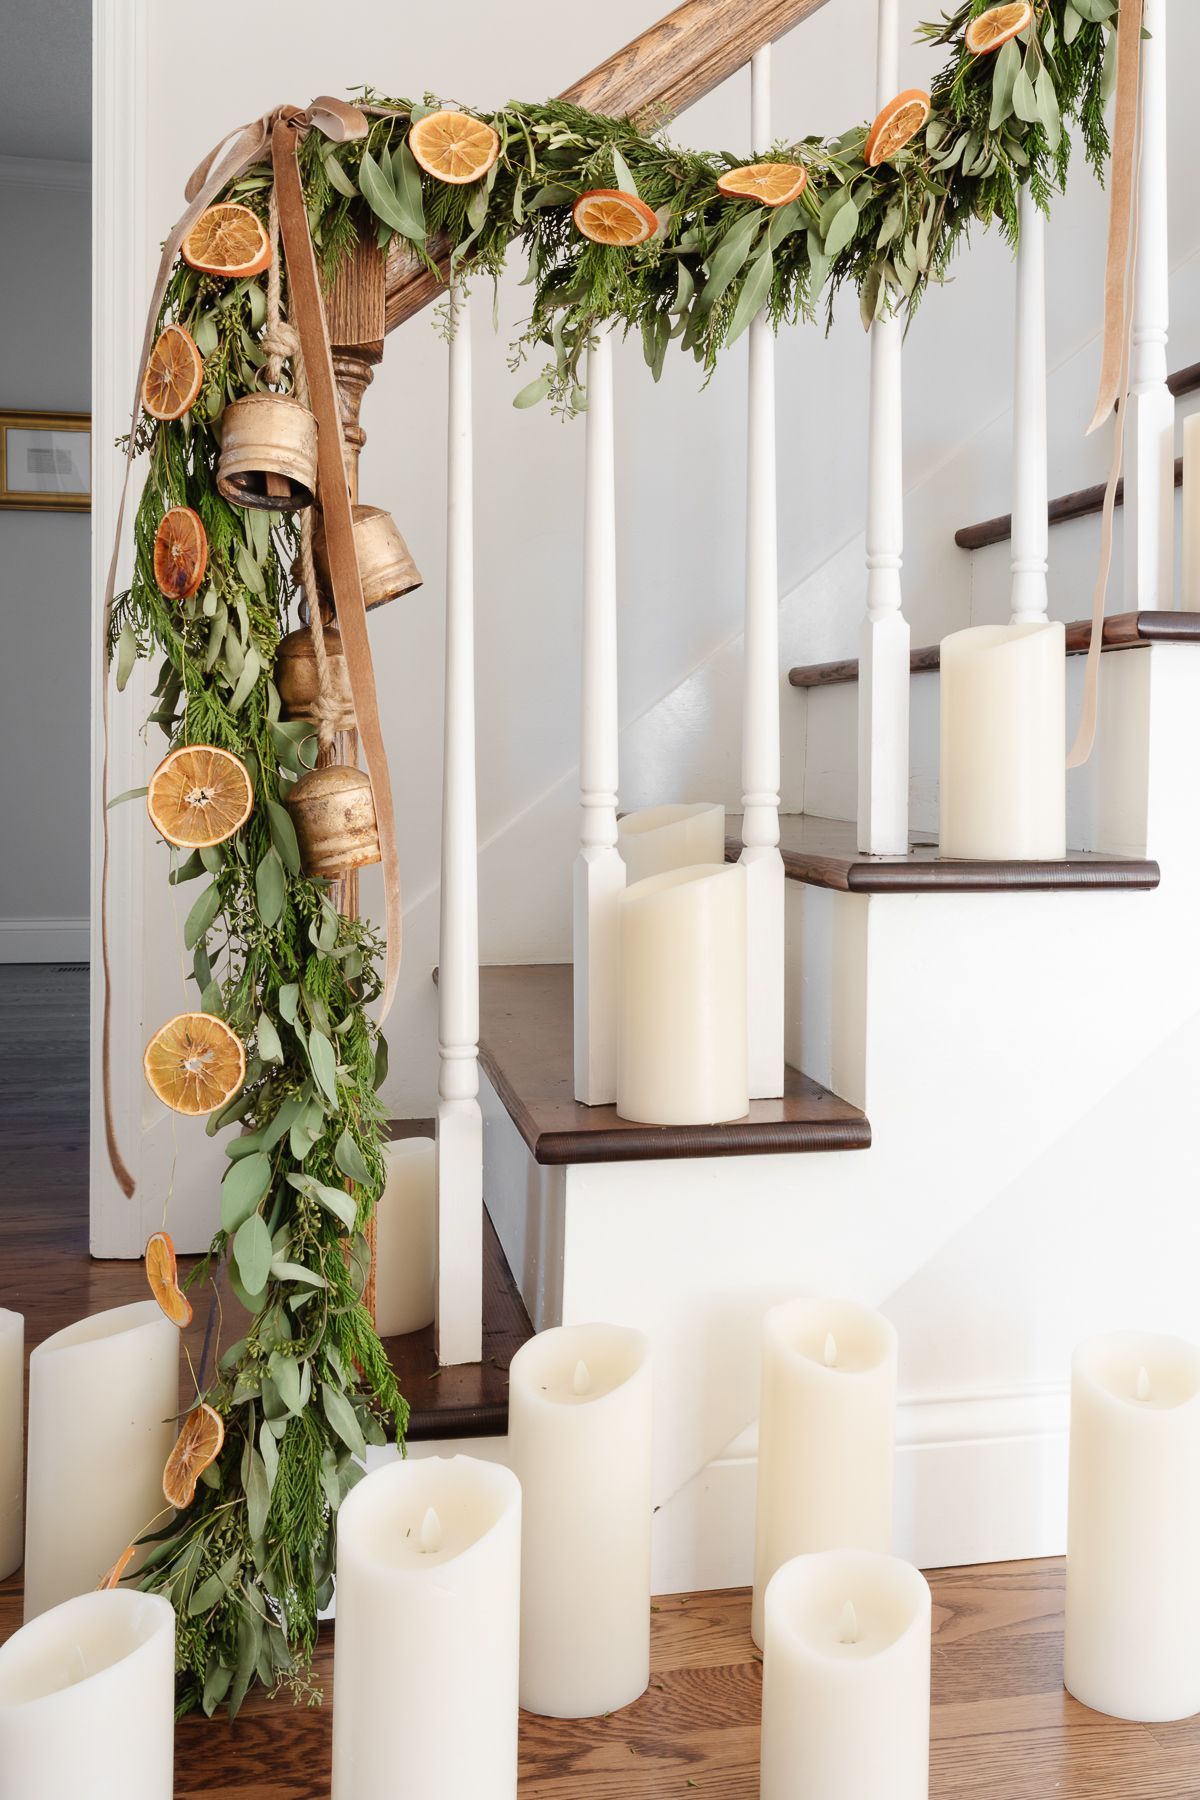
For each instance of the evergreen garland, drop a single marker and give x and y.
(249, 1563)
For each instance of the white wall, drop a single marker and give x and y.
(45, 362)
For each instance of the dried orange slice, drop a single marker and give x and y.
(770, 183)
(113, 1578)
(199, 796)
(996, 26)
(198, 1445)
(180, 553)
(453, 146)
(174, 374)
(610, 216)
(897, 124)
(195, 1063)
(227, 240)
(162, 1272)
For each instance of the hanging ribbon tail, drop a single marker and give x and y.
(1119, 294)
(308, 317)
(237, 151)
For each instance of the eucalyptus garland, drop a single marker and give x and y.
(249, 1563)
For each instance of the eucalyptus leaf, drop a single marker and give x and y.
(270, 888)
(270, 1046)
(127, 650)
(285, 1373)
(728, 258)
(1008, 67)
(283, 1270)
(268, 1446)
(251, 670)
(188, 870)
(339, 180)
(406, 178)
(252, 1252)
(343, 1419)
(258, 1494)
(283, 836)
(349, 1159)
(1072, 23)
(533, 392)
(624, 178)
(203, 913)
(243, 1188)
(842, 229)
(138, 793)
(380, 195)
(1024, 98)
(324, 1064)
(289, 1001)
(1047, 102)
(752, 298)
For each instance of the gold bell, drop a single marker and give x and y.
(384, 563)
(333, 810)
(296, 678)
(268, 453)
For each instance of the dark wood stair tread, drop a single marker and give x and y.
(1122, 631)
(470, 1399)
(825, 853)
(526, 1047)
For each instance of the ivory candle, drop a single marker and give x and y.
(579, 1440)
(1133, 1533)
(428, 1633)
(103, 1400)
(87, 1700)
(404, 1235)
(660, 838)
(826, 1435)
(845, 1713)
(12, 1439)
(1190, 574)
(1003, 754)
(681, 1029)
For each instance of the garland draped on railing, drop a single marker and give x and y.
(250, 1562)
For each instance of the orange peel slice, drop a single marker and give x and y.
(199, 796)
(196, 1448)
(174, 374)
(195, 1063)
(994, 27)
(897, 124)
(162, 1272)
(227, 239)
(611, 216)
(454, 147)
(770, 183)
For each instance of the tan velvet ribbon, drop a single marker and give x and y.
(1119, 286)
(235, 153)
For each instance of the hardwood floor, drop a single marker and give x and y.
(1003, 1729)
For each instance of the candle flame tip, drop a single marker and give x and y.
(431, 1532)
(1144, 1387)
(831, 1351)
(581, 1381)
(848, 1624)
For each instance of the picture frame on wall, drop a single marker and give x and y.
(46, 461)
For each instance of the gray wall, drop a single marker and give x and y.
(45, 365)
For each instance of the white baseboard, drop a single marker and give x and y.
(43, 940)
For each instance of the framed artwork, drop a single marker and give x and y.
(46, 460)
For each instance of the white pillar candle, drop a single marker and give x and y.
(12, 1440)
(660, 838)
(1133, 1536)
(1190, 578)
(845, 1713)
(103, 1400)
(87, 1701)
(826, 1435)
(1003, 750)
(404, 1231)
(579, 1441)
(428, 1633)
(681, 1034)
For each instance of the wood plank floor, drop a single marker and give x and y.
(1003, 1729)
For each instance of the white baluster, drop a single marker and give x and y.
(599, 870)
(760, 689)
(459, 1121)
(883, 645)
(1150, 426)
(1030, 480)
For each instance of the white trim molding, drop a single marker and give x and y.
(46, 172)
(43, 940)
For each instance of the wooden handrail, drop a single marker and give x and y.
(665, 69)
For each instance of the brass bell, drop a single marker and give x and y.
(384, 563)
(268, 453)
(333, 810)
(296, 678)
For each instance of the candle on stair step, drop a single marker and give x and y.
(103, 1405)
(12, 1440)
(1133, 1535)
(579, 1441)
(1003, 746)
(87, 1701)
(428, 1633)
(1190, 575)
(659, 838)
(404, 1238)
(826, 1435)
(845, 1712)
(681, 1018)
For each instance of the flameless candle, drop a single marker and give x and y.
(660, 838)
(428, 1633)
(404, 1233)
(826, 1435)
(681, 1035)
(1133, 1535)
(845, 1712)
(579, 1440)
(1003, 755)
(87, 1701)
(1191, 514)
(103, 1400)
(12, 1440)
